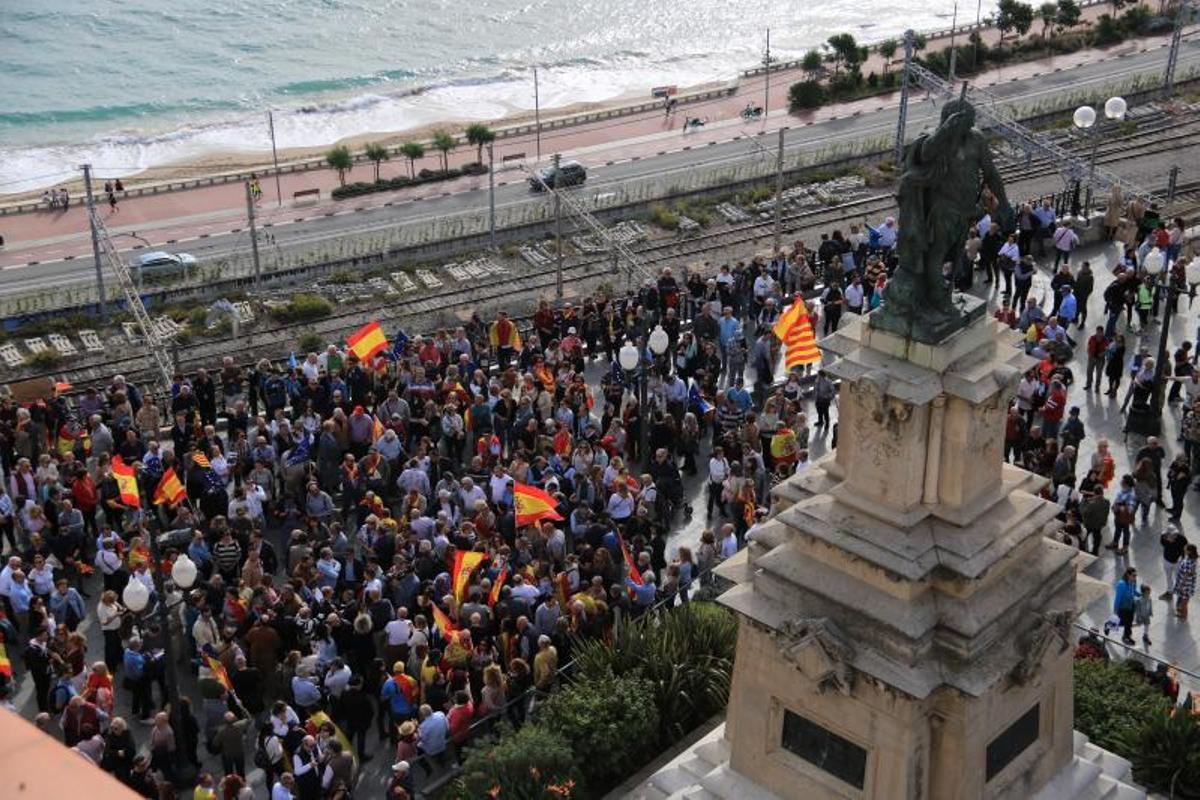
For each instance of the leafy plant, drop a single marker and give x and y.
(845, 51)
(1068, 14)
(377, 153)
(301, 308)
(1110, 699)
(1166, 754)
(309, 341)
(534, 763)
(887, 51)
(804, 95)
(45, 359)
(611, 722)
(479, 134)
(1107, 31)
(1013, 15)
(685, 654)
(412, 151)
(664, 217)
(812, 62)
(340, 159)
(443, 142)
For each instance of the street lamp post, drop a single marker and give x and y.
(628, 357)
(658, 341)
(1085, 119)
(136, 597)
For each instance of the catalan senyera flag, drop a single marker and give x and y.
(795, 330)
(367, 341)
(5, 664)
(533, 504)
(169, 489)
(376, 430)
(562, 587)
(201, 461)
(634, 574)
(497, 585)
(220, 675)
(443, 623)
(465, 562)
(126, 482)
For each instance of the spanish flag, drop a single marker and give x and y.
(634, 574)
(497, 586)
(533, 504)
(169, 489)
(795, 330)
(465, 562)
(368, 341)
(443, 623)
(126, 482)
(376, 430)
(5, 664)
(220, 675)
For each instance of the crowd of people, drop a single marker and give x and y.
(367, 585)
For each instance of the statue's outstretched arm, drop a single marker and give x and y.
(991, 175)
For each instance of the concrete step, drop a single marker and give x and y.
(674, 779)
(649, 792)
(715, 751)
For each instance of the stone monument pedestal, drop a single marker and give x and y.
(905, 625)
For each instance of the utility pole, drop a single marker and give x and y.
(767, 84)
(902, 118)
(537, 113)
(491, 198)
(275, 158)
(953, 50)
(779, 193)
(978, 32)
(1172, 183)
(558, 287)
(91, 205)
(253, 236)
(1173, 53)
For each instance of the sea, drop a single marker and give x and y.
(132, 84)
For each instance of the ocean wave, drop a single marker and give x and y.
(106, 113)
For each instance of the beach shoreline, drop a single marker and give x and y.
(209, 166)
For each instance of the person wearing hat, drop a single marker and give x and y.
(401, 778)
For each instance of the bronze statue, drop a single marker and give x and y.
(939, 198)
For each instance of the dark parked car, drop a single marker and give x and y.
(570, 173)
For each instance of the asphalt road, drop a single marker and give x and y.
(675, 163)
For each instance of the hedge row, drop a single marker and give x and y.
(402, 182)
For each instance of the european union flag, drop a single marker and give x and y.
(696, 400)
(299, 453)
(399, 342)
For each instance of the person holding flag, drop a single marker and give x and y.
(795, 330)
(505, 339)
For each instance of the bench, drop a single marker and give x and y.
(306, 195)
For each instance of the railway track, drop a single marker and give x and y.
(274, 342)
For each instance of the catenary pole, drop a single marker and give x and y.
(275, 159)
(558, 250)
(91, 205)
(253, 236)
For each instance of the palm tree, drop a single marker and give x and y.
(377, 153)
(444, 142)
(479, 134)
(887, 51)
(412, 151)
(340, 159)
(1049, 14)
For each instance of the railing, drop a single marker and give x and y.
(1188, 680)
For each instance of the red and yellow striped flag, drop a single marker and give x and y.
(443, 623)
(634, 574)
(562, 587)
(497, 586)
(533, 504)
(5, 664)
(376, 430)
(795, 330)
(126, 482)
(169, 489)
(220, 675)
(367, 341)
(465, 562)
(201, 461)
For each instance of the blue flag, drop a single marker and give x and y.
(299, 453)
(697, 400)
(292, 360)
(399, 342)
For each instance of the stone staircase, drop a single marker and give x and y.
(702, 773)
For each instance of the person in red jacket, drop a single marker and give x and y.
(1053, 409)
(1097, 344)
(461, 715)
(86, 497)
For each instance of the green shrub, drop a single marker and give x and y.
(664, 217)
(1135, 19)
(1110, 698)
(309, 342)
(1166, 754)
(610, 722)
(1107, 31)
(46, 359)
(301, 308)
(533, 763)
(806, 95)
(686, 654)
